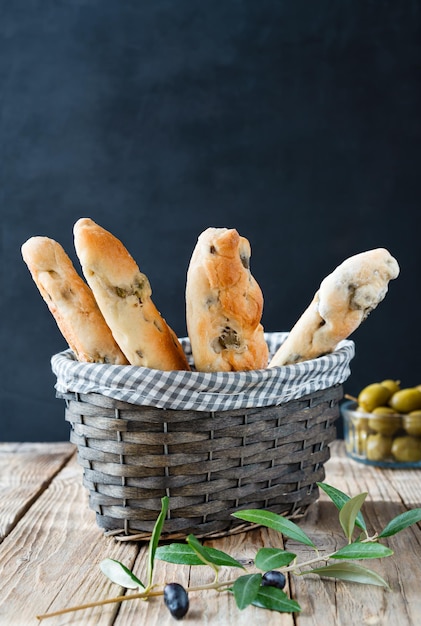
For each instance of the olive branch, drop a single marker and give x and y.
(265, 588)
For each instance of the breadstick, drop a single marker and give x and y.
(71, 302)
(224, 305)
(123, 295)
(344, 300)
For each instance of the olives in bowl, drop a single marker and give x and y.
(382, 426)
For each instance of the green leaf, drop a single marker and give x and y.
(272, 558)
(276, 522)
(183, 554)
(275, 600)
(245, 589)
(201, 552)
(361, 550)
(220, 558)
(401, 522)
(179, 553)
(120, 574)
(339, 499)
(350, 572)
(156, 534)
(349, 512)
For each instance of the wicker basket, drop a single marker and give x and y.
(208, 464)
(212, 442)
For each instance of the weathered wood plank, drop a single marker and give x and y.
(335, 603)
(26, 469)
(50, 559)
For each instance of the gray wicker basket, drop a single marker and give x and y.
(209, 464)
(212, 442)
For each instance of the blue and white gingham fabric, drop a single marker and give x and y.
(199, 391)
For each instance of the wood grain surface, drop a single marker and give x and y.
(51, 549)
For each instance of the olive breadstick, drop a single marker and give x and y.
(224, 305)
(344, 300)
(71, 302)
(123, 294)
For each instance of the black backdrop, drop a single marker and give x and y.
(298, 123)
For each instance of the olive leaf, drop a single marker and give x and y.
(178, 553)
(360, 550)
(203, 553)
(276, 522)
(275, 600)
(401, 522)
(120, 574)
(245, 589)
(155, 536)
(184, 554)
(272, 558)
(349, 512)
(350, 572)
(339, 498)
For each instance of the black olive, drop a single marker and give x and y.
(274, 579)
(176, 600)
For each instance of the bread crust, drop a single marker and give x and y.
(123, 294)
(224, 305)
(344, 300)
(71, 302)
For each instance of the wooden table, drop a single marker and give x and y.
(51, 547)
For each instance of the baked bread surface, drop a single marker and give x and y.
(71, 302)
(224, 305)
(344, 300)
(123, 294)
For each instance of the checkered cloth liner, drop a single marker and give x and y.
(199, 391)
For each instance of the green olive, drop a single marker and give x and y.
(359, 419)
(360, 441)
(407, 449)
(373, 395)
(356, 439)
(378, 447)
(412, 423)
(385, 420)
(350, 442)
(406, 400)
(392, 385)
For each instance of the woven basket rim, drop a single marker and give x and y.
(203, 391)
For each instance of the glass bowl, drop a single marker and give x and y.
(390, 441)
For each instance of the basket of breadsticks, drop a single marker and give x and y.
(229, 416)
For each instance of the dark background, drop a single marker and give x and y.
(298, 123)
